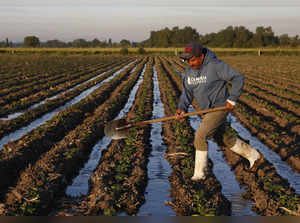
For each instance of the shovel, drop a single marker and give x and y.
(119, 129)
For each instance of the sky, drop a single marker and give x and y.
(133, 20)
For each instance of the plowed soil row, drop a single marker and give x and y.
(41, 185)
(119, 181)
(269, 190)
(273, 90)
(6, 89)
(15, 156)
(9, 126)
(279, 103)
(26, 69)
(279, 69)
(22, 100)
(189, 197)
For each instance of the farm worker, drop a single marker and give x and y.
(205, 80)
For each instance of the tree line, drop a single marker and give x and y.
(230, 37)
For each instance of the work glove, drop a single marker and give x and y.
(230, 105)
(179, 114)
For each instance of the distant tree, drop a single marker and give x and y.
(80, 43)
(284, 40)
(96, 43)
(55, 44)
(295, 41)
(125, 42)
(31, 41)
(242, 37)
(264, 37)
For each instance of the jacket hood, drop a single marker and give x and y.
(210, 56)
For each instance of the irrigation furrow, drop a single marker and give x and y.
(71, 85)
(157, 191)
(41, 81)
(52, 173)
(16, 155)
(32, 99)
(38, 122)
(80, 185)
(42, 67)
(7, 127)
(189, 198)
(119, 162)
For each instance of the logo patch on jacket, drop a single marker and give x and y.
(196, 80)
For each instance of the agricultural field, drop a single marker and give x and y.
(57, 161)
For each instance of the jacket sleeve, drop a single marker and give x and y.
(227, 73)
(186, 97)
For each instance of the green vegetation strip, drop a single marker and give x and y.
(41, 185)
(15, 156)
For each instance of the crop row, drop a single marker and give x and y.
(28, 97)
(9, 88)
(41, 185)
(15, 156)
(274, 90)
(283, 69)
(9, 126)
(118, 184)
(25, 69)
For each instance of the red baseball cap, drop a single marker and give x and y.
(193, 49)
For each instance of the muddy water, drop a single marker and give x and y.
(38, 122)
(282, 168)
(230, 187)
(159, 169)
(17, 114)
(80, 185)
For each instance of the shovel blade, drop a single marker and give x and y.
(111, 129)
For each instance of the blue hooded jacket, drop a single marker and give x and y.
(208, 84)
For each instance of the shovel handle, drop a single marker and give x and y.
(142, 123)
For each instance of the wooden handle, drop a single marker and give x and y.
(174, 116)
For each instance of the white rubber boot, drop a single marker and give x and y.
(246, 151)
(200, 165)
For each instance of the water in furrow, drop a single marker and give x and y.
(80, 184)
(38, 122)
